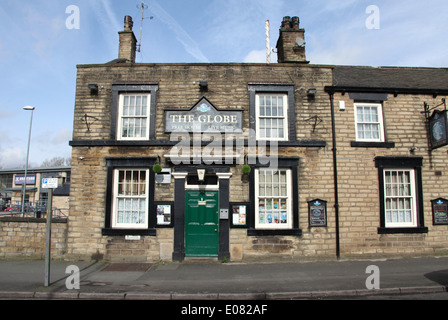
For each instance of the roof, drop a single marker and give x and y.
(391, 77)
(62, 190)
(35, 170)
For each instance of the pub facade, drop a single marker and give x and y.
(253, 161)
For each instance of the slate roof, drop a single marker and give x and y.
(390, 77)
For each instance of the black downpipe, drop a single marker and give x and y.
(335, 178)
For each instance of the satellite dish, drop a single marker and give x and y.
(300, 42)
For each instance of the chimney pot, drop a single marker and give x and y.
(128, 23)
(295, 23)
(286, 22)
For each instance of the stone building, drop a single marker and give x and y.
(255, 161)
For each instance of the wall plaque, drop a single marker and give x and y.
(317, 213)
(203, 116)
(439, 211)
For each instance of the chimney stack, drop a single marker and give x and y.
(291, 43)
(128, 41)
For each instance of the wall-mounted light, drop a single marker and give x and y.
(311, 92)
(201, 174)
(93, 88)
(203, 85)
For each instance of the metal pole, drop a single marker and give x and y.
(26, 164)
(48, 237)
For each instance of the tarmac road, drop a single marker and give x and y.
(345, 279)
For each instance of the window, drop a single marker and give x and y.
(133, 112)
(273, 199)
(133, 119)
(400, 206)
(272, 111)
(130, 200)
(271, 116)
(401, 196)
(369, 122)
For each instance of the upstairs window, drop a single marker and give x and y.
(133, 112)
(272, 117)
(369, 122)
(272, 111)
(133, 117)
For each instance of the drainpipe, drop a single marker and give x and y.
(335, 174)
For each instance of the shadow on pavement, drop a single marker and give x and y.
(440, 277)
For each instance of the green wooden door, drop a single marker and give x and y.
(201, 223)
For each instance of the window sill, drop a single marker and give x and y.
(264, 232)
(365, 144)
(383, 230)
(128, 232)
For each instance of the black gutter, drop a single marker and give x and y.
(394, 91)
(335, 173)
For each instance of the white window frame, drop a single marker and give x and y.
(379, 122)
(284, 117)
(121, 116)
(116, 197)
(394, 196)
(288, 198)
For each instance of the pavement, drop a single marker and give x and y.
(205, 280)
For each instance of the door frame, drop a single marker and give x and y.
(180, 173)
(187, 190)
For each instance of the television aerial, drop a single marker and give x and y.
(142, 6)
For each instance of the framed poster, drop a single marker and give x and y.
(239, 212)
(164, 214)
(317, 213)
(439, 211)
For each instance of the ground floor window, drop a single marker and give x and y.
(130, 204)
(400, 206)
(130, 207)
(401, 195)
(273, 199)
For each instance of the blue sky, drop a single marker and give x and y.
(39, 53)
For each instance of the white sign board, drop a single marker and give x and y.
(49, 183)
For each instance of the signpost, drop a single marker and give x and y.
(50, 184)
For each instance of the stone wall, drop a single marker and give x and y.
(26, 238)
(358, 179)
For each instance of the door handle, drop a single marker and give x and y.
(216, 230)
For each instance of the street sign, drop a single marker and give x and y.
(49, 183)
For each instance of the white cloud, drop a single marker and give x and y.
(63, 136)
(259, 56)
(13, 157)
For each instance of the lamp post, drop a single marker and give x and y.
(28, 108)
